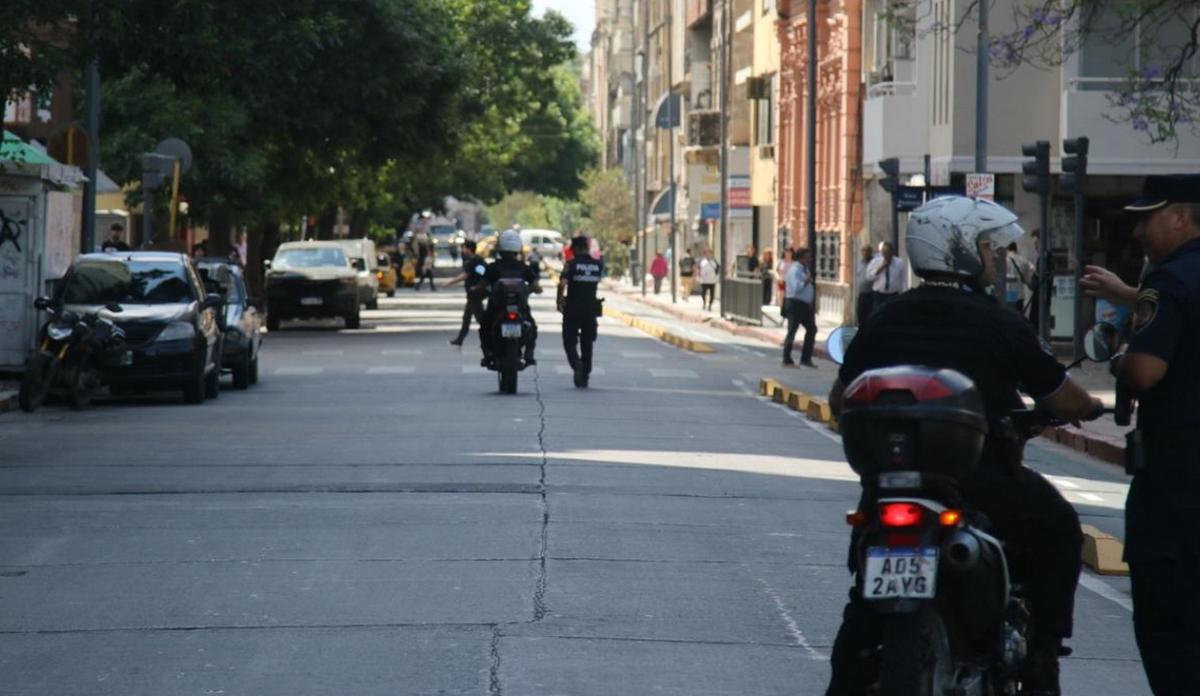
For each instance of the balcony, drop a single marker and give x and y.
(894, 122)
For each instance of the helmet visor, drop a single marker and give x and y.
(1001, 237)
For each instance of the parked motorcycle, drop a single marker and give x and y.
(953, 619)
(510, 333)
(71, 357)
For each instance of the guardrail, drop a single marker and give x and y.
(741, 299)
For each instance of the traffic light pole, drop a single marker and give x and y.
(1036, 179)
(1074, 179)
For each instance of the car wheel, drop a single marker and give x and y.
(212, 383)
(241, 372)
(273, 322)
(193, 389)
(353, 321)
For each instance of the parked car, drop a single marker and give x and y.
(388, 278)
(242, 322)
(170, 321)
(311, 280)
(364, 258)
(547, 243)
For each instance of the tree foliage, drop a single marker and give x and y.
(608, 207)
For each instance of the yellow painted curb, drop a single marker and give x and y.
(1102, 552)
(658, 332)
(819, 411)
(813, 408)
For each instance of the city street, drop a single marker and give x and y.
(374, 518)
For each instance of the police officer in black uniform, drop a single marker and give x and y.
(472, 278)
(1161, 366)
(577, 302)
(508, 265)
(950, 322)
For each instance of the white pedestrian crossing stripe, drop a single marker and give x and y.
(299, 370)
(566, 370)
(674, 374)
(392, 370)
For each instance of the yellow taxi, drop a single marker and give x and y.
(387, 275)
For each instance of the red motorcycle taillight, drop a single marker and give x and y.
(513, 316)
(900, 514)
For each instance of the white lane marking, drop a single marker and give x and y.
(324, 352)
(1063, 483)
(640, 355)
(818, 428)
(792, 627)
(299, 370)
(566, 370)
(402, 351)
(395, 370)
(1105, 590)
(674, 374)
(1092, 497)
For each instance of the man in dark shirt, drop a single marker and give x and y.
(471, 276)
(508, 265)
(116, 240)
(577, 302)
(1162, 367)
(950, 323)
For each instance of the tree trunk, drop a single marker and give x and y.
(261, 243)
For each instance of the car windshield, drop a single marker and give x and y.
(442, 231)
(127, 282)
(308, 258)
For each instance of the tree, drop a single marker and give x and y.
(608, 205)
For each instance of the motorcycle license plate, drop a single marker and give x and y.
(510, 330)
(900, 573)
(311, 301)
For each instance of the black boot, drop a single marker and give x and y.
(1040, 674)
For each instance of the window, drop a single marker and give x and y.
(764, 132)
(829, 255)
(1115, 47)
(128, 282)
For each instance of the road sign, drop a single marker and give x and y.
(981, 186)
(909, 197)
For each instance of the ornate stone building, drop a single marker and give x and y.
(839, 182)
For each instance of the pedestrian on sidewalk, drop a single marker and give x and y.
(471, 277)
(864, 284)
(658, 271)
(577, 301)
(781, 271)
(1162, 368)
(798, 309)
(710, 272)
(768, 282)
(687, 273)
(889, 276)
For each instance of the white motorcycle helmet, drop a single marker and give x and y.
(943, 235)
(510, 242)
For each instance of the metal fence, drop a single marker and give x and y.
(741, 299)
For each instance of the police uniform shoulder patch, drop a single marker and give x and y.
(1146, 309)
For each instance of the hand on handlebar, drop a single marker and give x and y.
(1097, 410)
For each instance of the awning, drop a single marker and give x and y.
(667, 111)
(663, 204)
(13, 149)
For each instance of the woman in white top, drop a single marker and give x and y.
(709, 271)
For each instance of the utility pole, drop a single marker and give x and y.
(1074, 181)
(93, 161)
(645, 158)
(723, 76)
(637, 204)
(1036, 179)
(671, 118)
(810, 184)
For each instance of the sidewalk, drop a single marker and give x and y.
(1101, 439)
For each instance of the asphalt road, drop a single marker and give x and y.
(374, 518)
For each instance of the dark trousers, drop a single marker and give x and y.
(799, 314)
(863, 306)
(421, 279)
(1041, 532)
(657, 284)
(473, 308)
(1166, 613)
(579, 330)
(708, 293)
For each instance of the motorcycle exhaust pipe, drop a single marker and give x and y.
(962, 551)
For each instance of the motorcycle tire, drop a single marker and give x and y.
(916, 659)
(82, 388)
(508, 381)
(36, 382)
(241, 372)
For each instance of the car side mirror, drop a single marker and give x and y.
(42, 303)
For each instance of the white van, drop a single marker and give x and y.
(361, 253)
(547, 243)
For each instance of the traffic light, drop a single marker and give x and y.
(890, 167)
(1074, 165)
(1037, 170)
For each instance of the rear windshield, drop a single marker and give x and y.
(127, 282)
(442, 231)
(308, 258)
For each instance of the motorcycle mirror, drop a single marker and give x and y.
(42, 303)
(1100, 342)
(839, 342)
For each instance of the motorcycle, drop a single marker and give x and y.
(71, 358)
(953, 618)
(510, 333)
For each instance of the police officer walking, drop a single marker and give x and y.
(1162, 367)
(577, 302)
(471, 277)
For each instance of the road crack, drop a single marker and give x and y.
(539, 593)
(494, 672)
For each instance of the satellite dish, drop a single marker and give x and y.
(176, 149)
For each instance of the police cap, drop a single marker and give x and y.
(1159, 191)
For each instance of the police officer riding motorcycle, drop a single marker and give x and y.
(952, 330)
(496, 278)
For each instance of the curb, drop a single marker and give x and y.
(658, 332)
(8, 401)
(1101, 552)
